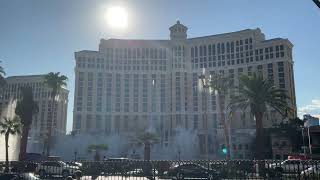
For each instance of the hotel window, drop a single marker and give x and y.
(281, 47)
(78, 121)
(249, 70)
(195, 122)
(88, 121)
(281, 74)
(98, 122)
(107, 126)
(232, 47)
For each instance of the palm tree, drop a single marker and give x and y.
(221, 84)
(25, 110)
(258, 95)
(97, 148)
(147, 139)
(55, 82)
(9, 127)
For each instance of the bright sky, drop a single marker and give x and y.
(39, 36)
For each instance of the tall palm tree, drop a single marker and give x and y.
(221, 85)
(9, 127)
(147, 139)
(97, 148)
(25, 109)
(258, 95)
(55, 81)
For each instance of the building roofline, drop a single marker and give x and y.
(32, 76)
(223, 34)
(168, 40)
(25, 76)
(135, 40)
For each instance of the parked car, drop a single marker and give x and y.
(9, 176)
(312, 172)
(185, 171)
(55, 168)
(23, 167)
(74, 163)
(288, 166)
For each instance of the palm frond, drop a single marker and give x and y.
(55, 81)
(257, 94)
(13, 126)
(97, 147)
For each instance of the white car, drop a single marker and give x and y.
(55, 168)
(289, 166)
(311, 172)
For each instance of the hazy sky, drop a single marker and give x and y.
(38, 37)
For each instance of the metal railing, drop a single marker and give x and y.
(137, 169)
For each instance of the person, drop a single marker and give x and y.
(78, 175)
(69, 178)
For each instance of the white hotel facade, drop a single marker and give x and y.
(129, 85)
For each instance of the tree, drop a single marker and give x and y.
(55, 81)
(258, 95)
(147, 139)
(221, 84)
(25, 109)
(9, 127)
(292, 130)
(97, 148)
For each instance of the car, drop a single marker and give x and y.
(23, 167)
(287, 166)
(55, 168)
(9, 176)
(74, 163)
(186, 171)
(311, 172)
(20, 176)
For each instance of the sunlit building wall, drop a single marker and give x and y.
(131, 85)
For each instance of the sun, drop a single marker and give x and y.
(117, 17)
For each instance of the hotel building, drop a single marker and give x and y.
(41, 94)
(130, 85)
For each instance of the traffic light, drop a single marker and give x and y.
(224, 150)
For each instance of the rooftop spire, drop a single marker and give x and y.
(178, 31)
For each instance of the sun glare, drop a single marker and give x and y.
(117, 17)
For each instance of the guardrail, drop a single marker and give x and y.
(137, 169)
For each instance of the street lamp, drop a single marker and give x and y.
(304, 149)
(205, 83)
(75, 155)
(310, 148)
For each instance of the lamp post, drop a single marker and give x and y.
(205, 83)
(310, 148)
(304, 149)
(75, 155)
